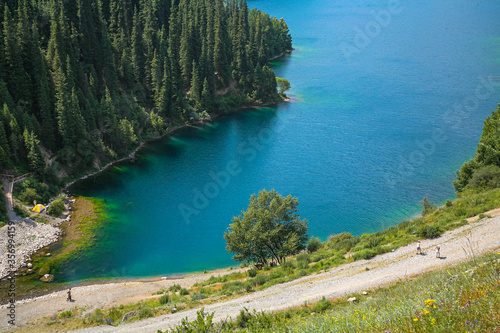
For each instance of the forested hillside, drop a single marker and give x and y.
(83, 82)
(482, 172)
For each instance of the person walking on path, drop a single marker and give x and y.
(69, 295)
(438, 251)
(419, 249)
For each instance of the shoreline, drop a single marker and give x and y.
(171, 131)
(176, 128)
(337, 282)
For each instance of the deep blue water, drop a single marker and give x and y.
(387, 102)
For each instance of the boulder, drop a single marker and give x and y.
(47, 278)
(352, 300)
(29, 265)
(129, 315)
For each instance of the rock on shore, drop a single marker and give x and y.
(29, 237)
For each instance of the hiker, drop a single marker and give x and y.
(419, 249)
(438, 251)
(69, 296)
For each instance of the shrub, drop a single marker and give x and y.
(183, 292)
(288, 266)
(66, 314)
(28, 195)
(21, 211)
(364, 254)
(448, 203)
(319, 257)
(314, 245)
(343, 242)
(164, 299)
(145, 313)
(428, 206)
(429, 231)
(303, 260)
(31, 187)
(301, 273)
(252, 272)
(260, 279)
(487, 177)
(176, 287)
(114, 314)
(197, 296)
(321, 306)
(56, 208)
(243, 318)
(232, 287)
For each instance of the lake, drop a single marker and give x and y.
(388, 101)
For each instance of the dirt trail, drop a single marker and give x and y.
(456, 246)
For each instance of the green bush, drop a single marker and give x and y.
(429, 231)
(252, 272)
(28, 195)
(260, 279)
(303, 261)
(301, 273)
(183, 292)
(364, 254)
(343, 242)
(314, 245)
(176, 287)
(114, 314)
(164, 299)
(56, 208)
(233, 287)
(319, 256)
(325, 304)
(288, 266)
(66, 314)
(30, 187)
(21, 211)
(487, 177)
(243, 318)
(145, 313)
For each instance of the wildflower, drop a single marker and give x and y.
(415, 319)
(426, 312)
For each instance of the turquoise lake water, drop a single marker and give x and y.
(387, 102)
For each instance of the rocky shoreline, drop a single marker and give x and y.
(29, 237)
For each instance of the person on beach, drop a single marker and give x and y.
(419, 249)
(438, 251)
(69, 296)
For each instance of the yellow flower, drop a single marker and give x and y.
(415, 319)
(426, 312)
(435, 307)
(429, 301)
(433, 321)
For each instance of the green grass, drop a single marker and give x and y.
(463, 298)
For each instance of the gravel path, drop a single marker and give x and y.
(403, 263)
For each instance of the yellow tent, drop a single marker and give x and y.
(39, 208)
